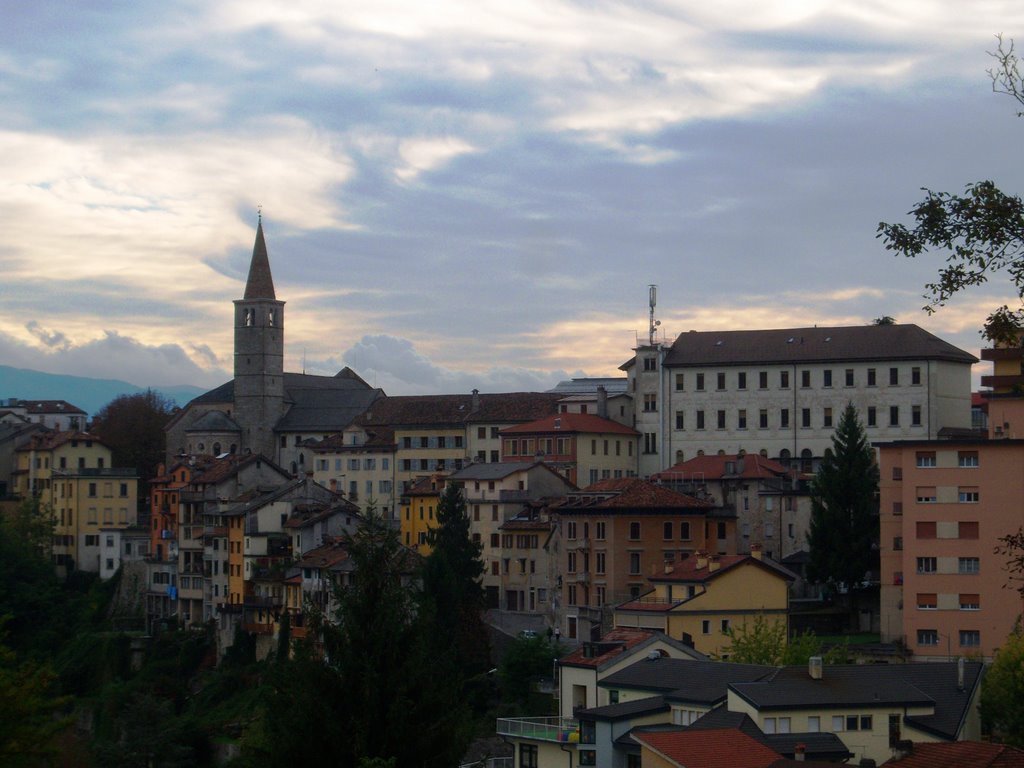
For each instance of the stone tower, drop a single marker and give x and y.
(259, 355)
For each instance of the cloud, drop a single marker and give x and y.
(394, 365)
(111, 356)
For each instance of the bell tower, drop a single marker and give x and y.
(259, 355)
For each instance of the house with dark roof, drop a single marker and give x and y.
(779, 392)
(701, 598)
(263, 409)
(617, 533)
(870, 707)
(58, 415)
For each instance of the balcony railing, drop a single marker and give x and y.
(561, 730)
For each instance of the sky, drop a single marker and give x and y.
(476, 195)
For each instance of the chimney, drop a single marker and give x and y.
(960, 673)
(602, 402)
(815, 668)
(714, 564)
(799, 752)
(702, 559)
(757, 551)
(476, 401)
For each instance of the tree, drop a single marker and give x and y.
(526, 660)
(378, 691)
(1002, 692)
(981, 231)
(1012, 547)
(31, 722)
(453, 594)
(843, 507)
(133, 428)
(764, 642)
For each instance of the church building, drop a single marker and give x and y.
(263, 409)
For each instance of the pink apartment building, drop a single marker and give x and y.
(944, 504)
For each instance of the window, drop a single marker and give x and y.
(813, 724)
(805, 417)
(680, 382)
(872, 416)
(849, 377)
(667, 531)
(970, 602)
(725, 626)
(926, 529)
(915, 376)
(599, 530)
(897, 543)
(720, 380)
(700, 419)
(968, 565)
(680, 420)
(826, 377)
(762, 418)
(967, 458)
(92, 490)
(894, 415)
(700, 382)
(915, 415)
(784, 418)
(777, 725)
(967, 529)
(970, 638)
(705, 627)
(741, 419)
(927, 601)
(926, 495)
(968, 496)
(783, 379)
(927, 637)
(826, 418)
(634, 563)
(599, 562)
(926, 458)
(871, 377)
(684, 530)
(805, 379)
(527, 756)
(894, 377)
(721, 419)
(650, 363)
(762, 380)
(634, 530)
(650, 442)
(741, 380)
(926, 565)
(650, 401)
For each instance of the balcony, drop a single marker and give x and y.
(513, 496)
(1002, 353)
(559, 730)
(1000, 382)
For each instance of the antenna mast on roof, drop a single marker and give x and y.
(653, 329)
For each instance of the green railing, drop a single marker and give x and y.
(564, 730)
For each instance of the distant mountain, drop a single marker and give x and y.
(88, 394)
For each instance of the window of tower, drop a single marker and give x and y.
(248, 316)
(270, 318)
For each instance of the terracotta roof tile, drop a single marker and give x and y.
(752, 465)
(630, 493)
(562, 423)
(719, 748)
(620, 640)
(956, 754)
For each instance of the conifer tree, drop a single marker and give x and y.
(844, 508)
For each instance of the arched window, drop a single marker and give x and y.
(249, 316)
(764, 453)
(806, 460)
(270, 318)
(216, 449)
(234, 447)
(295, 468)
(202, 447)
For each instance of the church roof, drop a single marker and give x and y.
(213, 421)
(260, 284)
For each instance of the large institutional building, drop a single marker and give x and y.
(780, 393)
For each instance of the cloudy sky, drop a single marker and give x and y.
(476, 194)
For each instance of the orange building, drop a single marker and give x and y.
(944, 506)
(616, 533)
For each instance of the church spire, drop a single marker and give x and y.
(260, 284)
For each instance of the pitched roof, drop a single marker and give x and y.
(626, 710)
(569, 423)
(955, 754)
(438, 410)
(613, 385)
(50, 407)
(713, 467)
(688, 570)
(718, 748)
(615, 644)
(213, 421)
(698, 682)
(873, 685)
(629, 493)
(260, 284)
(48, 441)
(804, 345)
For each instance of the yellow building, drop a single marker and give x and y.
(71, 475)
(418, 512)
(699, 599)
